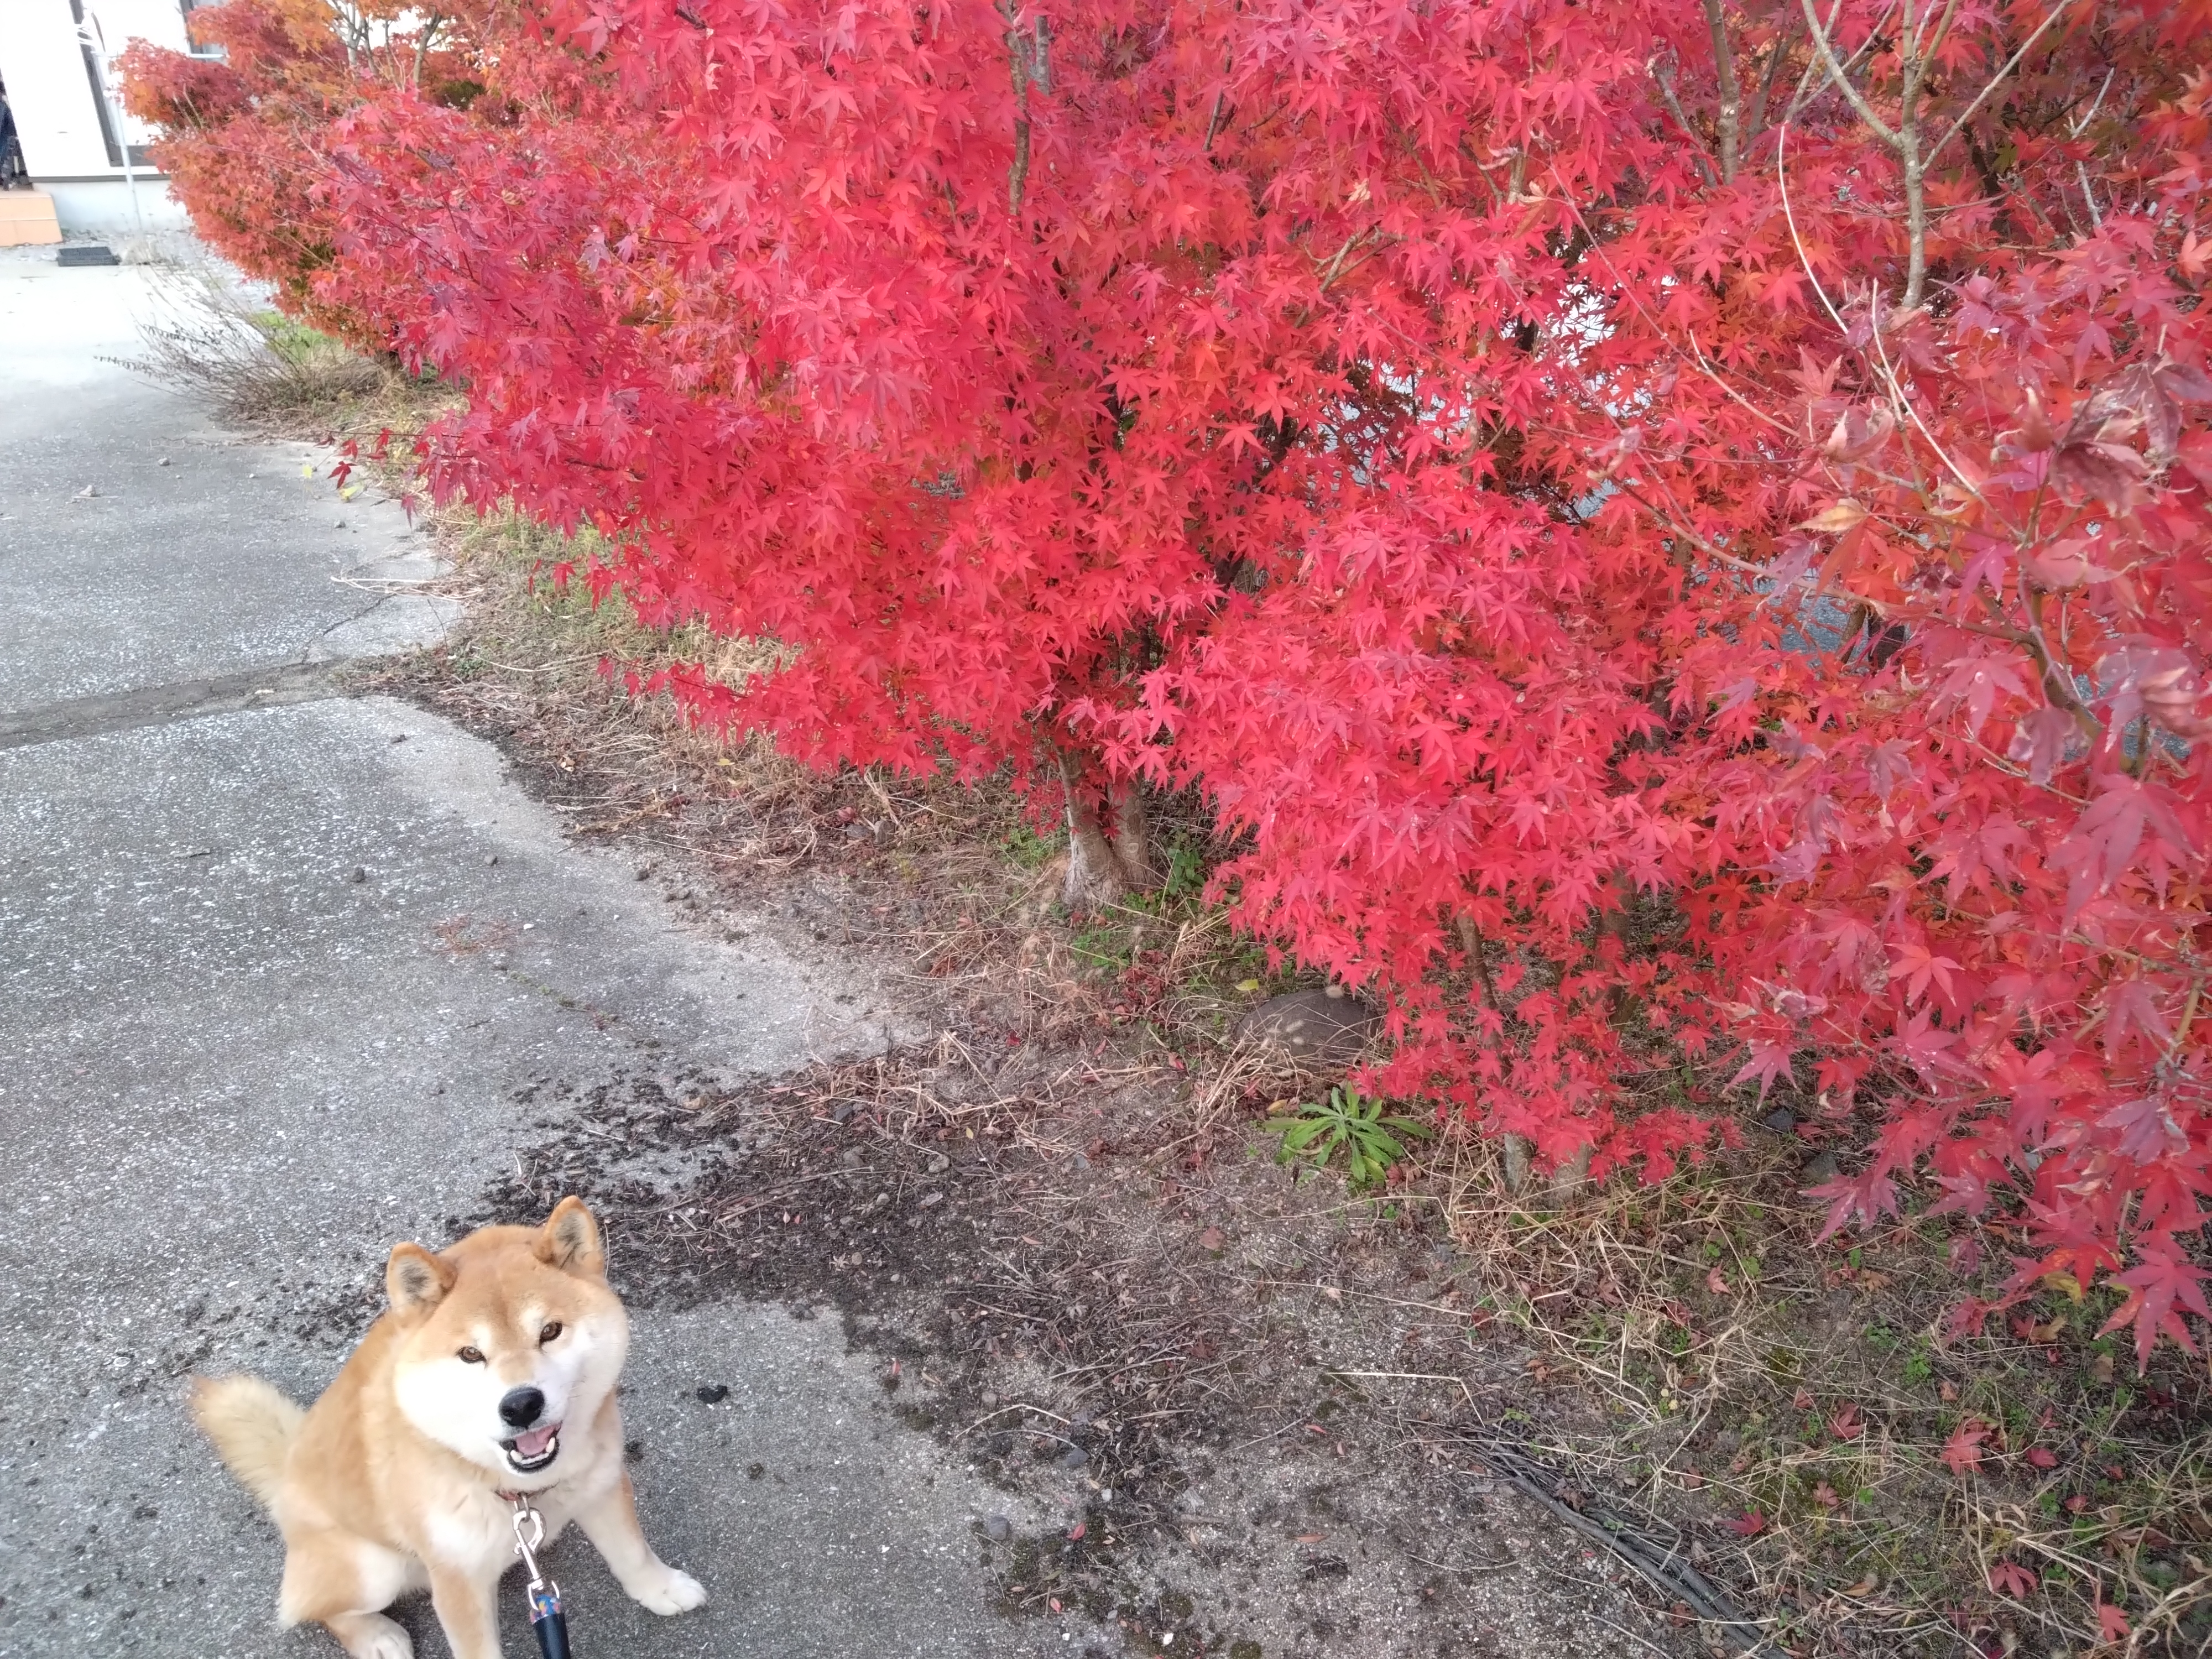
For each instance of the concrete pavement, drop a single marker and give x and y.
(276, 985)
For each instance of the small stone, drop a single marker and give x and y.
(938, 1163)
(713, 1393)
(1310, 1024)
(998, 1528)
(358, 875)
(1781, 1122)
(490, 862)
(339, 523)
(1820, 1169)
(1074, 1458)
(164, 461)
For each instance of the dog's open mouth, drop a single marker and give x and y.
(534, 1450)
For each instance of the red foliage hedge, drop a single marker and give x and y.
(1675, 538)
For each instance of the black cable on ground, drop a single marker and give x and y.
(1663, 1565)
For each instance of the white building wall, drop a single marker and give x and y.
(57, 117)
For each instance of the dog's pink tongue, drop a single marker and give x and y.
(533, 1444)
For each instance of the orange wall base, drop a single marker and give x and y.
(27, 219)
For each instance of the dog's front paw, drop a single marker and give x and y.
(677, 1592)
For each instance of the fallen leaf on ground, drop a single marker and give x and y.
(1962, 1452)
(1213, 1239)
(1846, 1424)
(2042, 1457)
(1749, 1525)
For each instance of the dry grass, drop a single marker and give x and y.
(258, 368)
(1749, 1372)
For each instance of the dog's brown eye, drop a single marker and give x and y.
(550, 1332)
(472, 1356)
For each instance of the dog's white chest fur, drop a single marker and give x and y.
(475, 1527)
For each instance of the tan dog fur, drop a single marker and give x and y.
(392, 1481)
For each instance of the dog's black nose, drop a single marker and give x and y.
(519, 1407)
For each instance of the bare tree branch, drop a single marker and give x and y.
(1908, 151)
(2011, 64)
(1834, 71)
(1029, 57)
(1755, 123)
(1666, 80)
(429, 32)
(1731, 110)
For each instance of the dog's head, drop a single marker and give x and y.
(506, 1337)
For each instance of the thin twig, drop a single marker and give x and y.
(2011, 64)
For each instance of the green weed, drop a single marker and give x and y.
(1352, 1123)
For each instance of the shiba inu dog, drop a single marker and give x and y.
(492, 1373)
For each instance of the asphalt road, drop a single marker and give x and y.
(278, 971)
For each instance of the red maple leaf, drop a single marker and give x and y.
(1962, 1452)
(2160, 1286)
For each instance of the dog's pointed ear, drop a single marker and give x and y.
(570, 1239)
(415, 1281)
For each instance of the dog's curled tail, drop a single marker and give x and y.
(252, 1426)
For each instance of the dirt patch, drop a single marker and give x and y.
(1268, 1418)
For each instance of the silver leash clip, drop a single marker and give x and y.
(529, 1534)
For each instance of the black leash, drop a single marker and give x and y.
(547, 1622)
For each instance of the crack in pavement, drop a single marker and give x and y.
(279, 687)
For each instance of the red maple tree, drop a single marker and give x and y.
(1673, 540)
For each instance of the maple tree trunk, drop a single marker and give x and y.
(1572, 1176)
(1094, 874)
(1133, 838)
(1101, 871)
(1517, 1149)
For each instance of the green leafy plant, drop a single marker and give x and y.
(1186, 875)
(1354, 1123)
